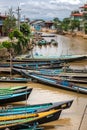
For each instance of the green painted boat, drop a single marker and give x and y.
(15, 97)
(16, 89)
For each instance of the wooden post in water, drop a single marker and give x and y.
(82, 117)
(10, 65)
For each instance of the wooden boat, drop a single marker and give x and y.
(70, 70)
(11, 80)
(17, 87)
(57, 83)
(4, 92)
(35, 108)
(48, 35)
(14, 88)
(48, 72)
(75, 80)
(18, 120)
(15, 97)
(76, 75)
(59, 72)
(53, 72)
(64, 58)
(69, 79)
(39, 66)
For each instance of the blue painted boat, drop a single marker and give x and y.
(35, 108)
(57, 83)
(13, 80)
(15, 97)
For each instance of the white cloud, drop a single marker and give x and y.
(22, 4)
(42, 8)
(65, 1)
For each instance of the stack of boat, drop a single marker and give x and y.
(26, 116)
(30, 116)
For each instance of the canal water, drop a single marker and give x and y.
(70, 119)
(66, 46)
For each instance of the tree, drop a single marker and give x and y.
(6, 44)
(25, 29)
(85, 28)
(17, 45)
(65, 24)
(21, 41)
(57, 25)
(9, 23)
(74, 24)
(56, 22)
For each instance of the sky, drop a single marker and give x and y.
(42, 9)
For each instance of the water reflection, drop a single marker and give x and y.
(66, 46)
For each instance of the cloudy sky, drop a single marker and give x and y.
(46, 9)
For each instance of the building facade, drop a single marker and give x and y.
(2, 18)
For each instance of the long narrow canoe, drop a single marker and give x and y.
(57, 83)
(76, 80)
(13, 80)
(14, 88)
(72, 79)
(35, 108)
(51, 66)
(18, 87)
(30, 119)
(66, 58)
(69, 79)
(14, 91)
(16, 97)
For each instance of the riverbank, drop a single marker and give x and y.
(76, 34)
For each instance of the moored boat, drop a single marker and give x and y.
(4, 92)
(57, 83)
(35, 108)
(14, 88)
(13, 80)
(15, 97)
(30, 119)
(64, 58)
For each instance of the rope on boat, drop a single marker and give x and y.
(82, 117)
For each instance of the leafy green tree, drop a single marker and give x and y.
(22, 37)
(25, 29)
(85, 28)
(20, 42)
(74, 24)
(65, 24)
(1, 46)
(6, 44)
(57, 25)
(56, 22)
(9, 23)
